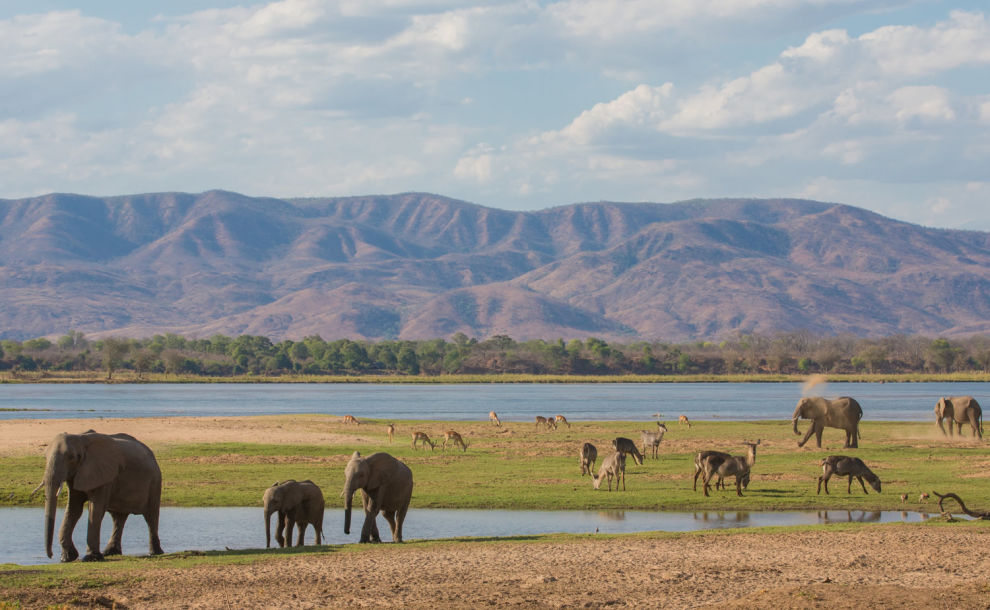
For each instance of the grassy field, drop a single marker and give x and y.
(520, 467)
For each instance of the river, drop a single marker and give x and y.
(466, 402)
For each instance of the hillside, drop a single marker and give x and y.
(420, 266)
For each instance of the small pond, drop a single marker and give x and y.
(206, 529)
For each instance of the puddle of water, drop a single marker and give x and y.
(210, 529)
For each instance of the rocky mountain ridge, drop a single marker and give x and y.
(417, 265)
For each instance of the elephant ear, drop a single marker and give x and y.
(100, 465)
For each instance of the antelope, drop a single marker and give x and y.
(540, 421)
(560, 419)
(451, 435)
(390, 433)
(652, 439)
(350, 419)
(683, 420)
(614, 466)
(492, 417)
(589, 453)
(423, 438)
(551, 423)
(717, 457)
(842, 465)
(736, 465)
(624, 445)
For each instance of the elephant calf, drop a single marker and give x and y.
(297, 504)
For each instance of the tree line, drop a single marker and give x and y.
(224, 356)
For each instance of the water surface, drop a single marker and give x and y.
(467, 402)
(211, 529)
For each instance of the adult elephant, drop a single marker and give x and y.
(115, 473)
(959, 410)
(386, 485)
(296, 503)
(843, 413)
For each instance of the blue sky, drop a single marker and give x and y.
(521, 104)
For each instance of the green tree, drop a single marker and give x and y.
(113, 351)
(407, 362)
(37, 345)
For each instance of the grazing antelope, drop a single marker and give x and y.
(716, 457)
(922, 497)
(451, 435)
(390, 433)
(683, 420)
(614, 466)
(736, 465)
(492, 417)
(350, 419)
(624, 445)
(551, 423)
(423, 438)
(842, 465)
(589, 453)
(652, 439)
(560, 419)
(540, 421)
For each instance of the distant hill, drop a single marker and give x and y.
(420, 266)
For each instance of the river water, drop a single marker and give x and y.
(207, 529)
(466, 402)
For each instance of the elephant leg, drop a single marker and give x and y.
(280, 529)
(73, 511)
(154, 544)
(400, 517)
(369, 531)
(807, 435)
(289, 524)
(97, 509)
(390, 517)
(302, 533)
(113, 545)
(941, 427)
(818, 435)
(974, 422)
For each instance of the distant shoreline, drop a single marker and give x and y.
(126, 377)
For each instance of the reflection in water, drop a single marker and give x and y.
(720, 517)
(612, 515)
(853, 516)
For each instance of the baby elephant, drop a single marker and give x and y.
(296, 504)
(842, 466)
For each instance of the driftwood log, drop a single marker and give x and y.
(977, 515)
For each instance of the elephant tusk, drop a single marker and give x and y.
(36, 489)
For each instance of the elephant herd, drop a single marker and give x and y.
(118, 474)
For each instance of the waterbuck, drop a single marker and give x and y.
(843, 465)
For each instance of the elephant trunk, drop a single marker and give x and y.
(348, 500)
(795, 418)
(54, 477)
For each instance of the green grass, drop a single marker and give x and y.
(522, 468)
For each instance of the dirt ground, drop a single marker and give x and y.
(894, 566)
(883, 566)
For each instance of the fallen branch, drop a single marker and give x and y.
(978, 515)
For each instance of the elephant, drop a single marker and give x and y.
(959, 410)
(386, 485)
(297, 504)
(843, 412)
(116, 473)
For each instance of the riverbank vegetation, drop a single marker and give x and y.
(783, 356)
(519, 466)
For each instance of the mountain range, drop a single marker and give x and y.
(418, 265)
